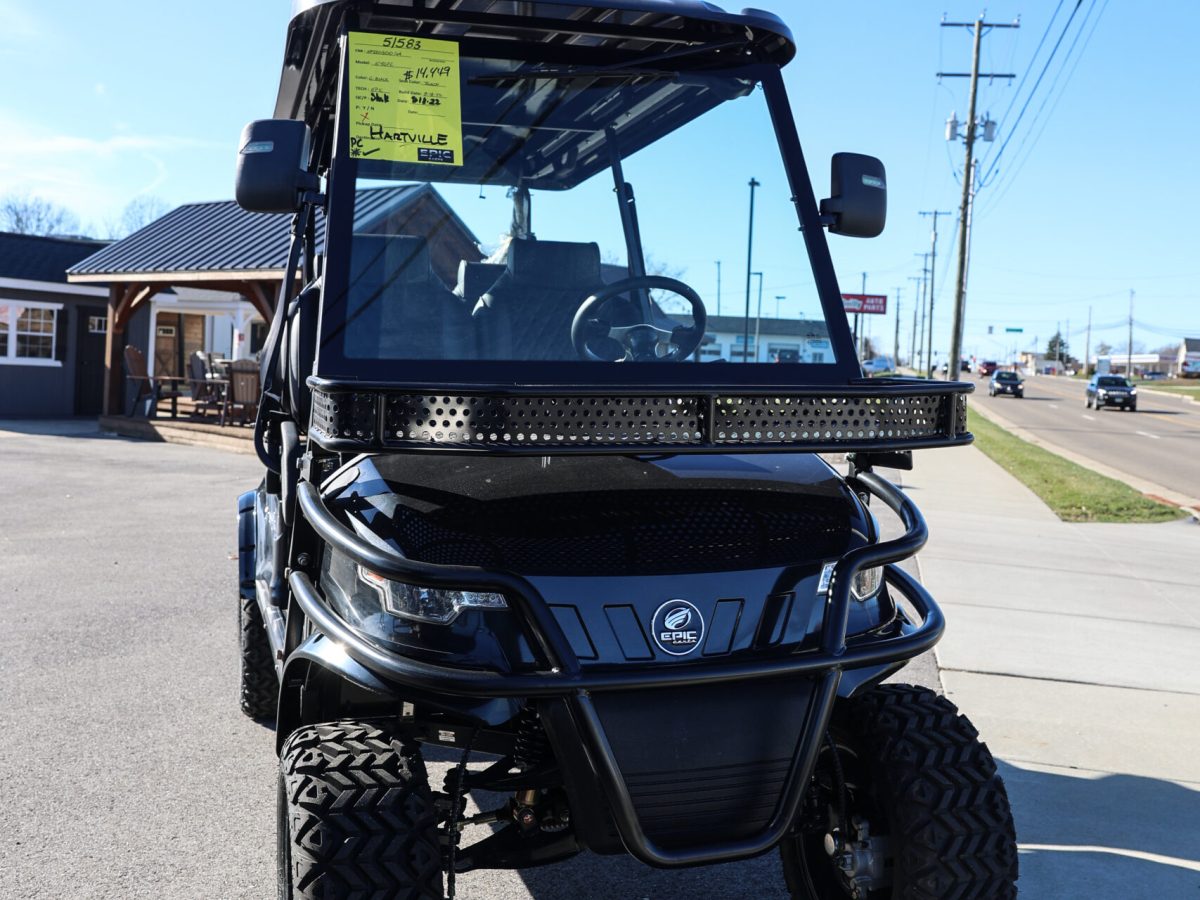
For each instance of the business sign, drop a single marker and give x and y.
(1014, 330)
(875, 304)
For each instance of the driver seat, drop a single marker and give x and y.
(527, 313)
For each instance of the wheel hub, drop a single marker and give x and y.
(860, 862)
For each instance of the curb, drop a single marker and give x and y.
(1190, 505)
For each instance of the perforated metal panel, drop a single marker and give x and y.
(543, 421)
(345, 416)
(797, 420)
(892, 415)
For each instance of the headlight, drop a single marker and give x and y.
(1101, 392)
(1133, 391)
(865, 584)
(419, 604)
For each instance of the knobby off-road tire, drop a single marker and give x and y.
(259, 692)
(356, 817)
(934, 782)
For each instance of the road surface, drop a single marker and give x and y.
(1159, 443)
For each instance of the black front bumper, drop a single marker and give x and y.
(598, 706)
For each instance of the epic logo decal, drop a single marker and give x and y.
(678, 627)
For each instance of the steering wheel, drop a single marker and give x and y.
(656, 339)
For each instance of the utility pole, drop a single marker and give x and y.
(896, 345)
(860, 339)
(1129, 350)
(718, 287)
(912, 343)
(969, 169)
(932, 264)
(754, 184)
(1087, 351)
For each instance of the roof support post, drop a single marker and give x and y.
(113, 387)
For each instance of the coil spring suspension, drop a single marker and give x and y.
(532, 747)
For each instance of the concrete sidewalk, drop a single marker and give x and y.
(1075, 649)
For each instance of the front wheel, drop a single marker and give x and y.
(911, 809)
(356, 817)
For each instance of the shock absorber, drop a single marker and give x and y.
(532, 747)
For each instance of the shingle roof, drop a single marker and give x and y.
(33, 258)
(223, 238)
(1191, 345)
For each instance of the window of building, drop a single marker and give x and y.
(97, 324)
(28, 333)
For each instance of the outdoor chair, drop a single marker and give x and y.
(149, 391)
(205, 391)
(243, 391)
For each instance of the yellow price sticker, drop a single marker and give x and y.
(405, 103)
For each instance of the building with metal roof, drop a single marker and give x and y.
(51, 332)
(220, 247)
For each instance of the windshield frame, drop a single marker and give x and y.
(332, 364)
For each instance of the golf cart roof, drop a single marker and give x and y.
(570, 31)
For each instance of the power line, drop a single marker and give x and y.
(1032, 92)
(1032, 145)
(1029, 68)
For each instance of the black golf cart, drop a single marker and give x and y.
(536, 503)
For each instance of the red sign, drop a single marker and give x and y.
(875, 304)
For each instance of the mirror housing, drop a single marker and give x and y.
(858, 205)
(272, 172)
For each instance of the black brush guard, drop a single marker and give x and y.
(562, 677)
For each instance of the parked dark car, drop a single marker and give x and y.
(987, 367)
(1006, 383)
(1111, 390)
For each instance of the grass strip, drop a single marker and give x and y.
(1188, 390)
(1074, 493)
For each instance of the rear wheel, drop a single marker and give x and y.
(914, 806)
(259, 694)
(356, 817)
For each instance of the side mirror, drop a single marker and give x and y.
(272, 166)
(858, 207)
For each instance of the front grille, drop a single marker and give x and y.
(679, 808)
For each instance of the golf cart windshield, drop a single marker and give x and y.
(489, 231)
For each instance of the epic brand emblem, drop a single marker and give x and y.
(678, 627)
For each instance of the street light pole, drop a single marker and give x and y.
(758, 316)
(778, 297)
(754, 185)
(718, 287)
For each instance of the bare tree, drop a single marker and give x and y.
(22, 213)
(137, 214)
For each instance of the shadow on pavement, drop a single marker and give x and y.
(1097, 835)
(72, 428)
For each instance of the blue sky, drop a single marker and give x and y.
(102, 102)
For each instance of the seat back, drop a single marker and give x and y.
(198, 377)
(475, 279)
(135, 362)
(243, 382)
(398, 308)
(527, 313)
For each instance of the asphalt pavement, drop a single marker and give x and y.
(129, 771)
(1159, 444)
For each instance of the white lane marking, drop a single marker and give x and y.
(1054, 406)
(1189, 864)
(1149, 435)
(1089, 418)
